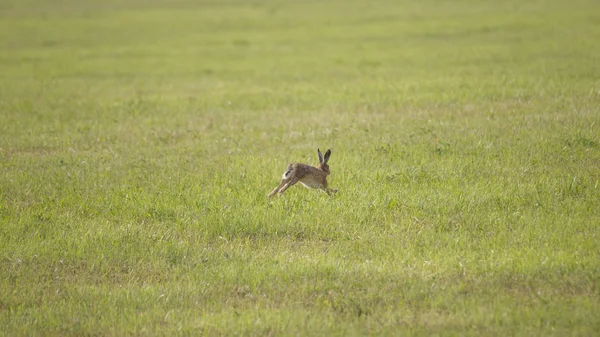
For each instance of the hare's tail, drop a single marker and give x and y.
(287, 173)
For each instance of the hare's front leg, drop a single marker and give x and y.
(329, 191)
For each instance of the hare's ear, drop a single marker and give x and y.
(320, 156)
(327, 154)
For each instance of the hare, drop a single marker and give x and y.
(309, 176)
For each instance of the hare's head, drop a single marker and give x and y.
(323, 161)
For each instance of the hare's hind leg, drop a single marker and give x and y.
(287, 178)
(274, 191)
(290, 183)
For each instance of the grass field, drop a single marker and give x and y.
(139, 139)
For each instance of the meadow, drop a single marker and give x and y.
(139, 139)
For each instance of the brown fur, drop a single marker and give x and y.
(309, 176)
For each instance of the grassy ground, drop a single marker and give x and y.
(138, 141)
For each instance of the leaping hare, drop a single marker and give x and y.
(309, 176)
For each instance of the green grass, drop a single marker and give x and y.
(139, 139)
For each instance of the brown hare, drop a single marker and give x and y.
(309, 176)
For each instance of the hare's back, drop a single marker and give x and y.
(303, 170)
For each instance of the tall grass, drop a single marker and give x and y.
(138, 141)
